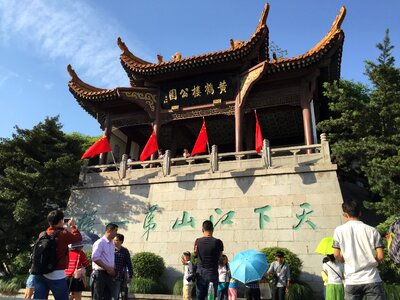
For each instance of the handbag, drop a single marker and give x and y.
(79, 273)
(265, 291)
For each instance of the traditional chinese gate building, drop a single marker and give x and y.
(225, 87)
(292, 205)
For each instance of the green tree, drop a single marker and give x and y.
(364, 129)
(38, 166)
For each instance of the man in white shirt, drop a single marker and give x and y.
(103, 259)
(360, 248)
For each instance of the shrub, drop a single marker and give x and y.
(148, 265)
(392, 291)
(300, 291)
(142, 285)
(292, 260)
(9, 287)
(20, 264)
(178, 287)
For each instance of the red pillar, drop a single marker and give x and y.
(306, 111)
(238, 127)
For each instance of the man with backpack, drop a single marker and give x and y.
(50, 256)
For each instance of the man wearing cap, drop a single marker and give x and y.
(103, 263)
(281, 276)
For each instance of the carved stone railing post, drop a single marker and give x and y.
(325, 152)
(266, 154)
(214, 159)
(123, 165)
(166, 166)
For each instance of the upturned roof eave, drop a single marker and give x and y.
(136, 67)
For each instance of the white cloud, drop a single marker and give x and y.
(48, 86)
(6, 75)
(69, 31)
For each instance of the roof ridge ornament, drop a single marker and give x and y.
(129, 54)
(122, 45)
(339, 19)
(77, 81)
(72, 72)
(264, 16)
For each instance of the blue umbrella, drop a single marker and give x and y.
(248, 266)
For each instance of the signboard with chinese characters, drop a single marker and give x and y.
(198, 91)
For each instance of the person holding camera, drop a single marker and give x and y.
(55, 281)
(188, 276)
(281, 276)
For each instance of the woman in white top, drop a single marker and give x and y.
(223, 278)
(334, 271)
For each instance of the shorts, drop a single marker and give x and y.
(30, 282)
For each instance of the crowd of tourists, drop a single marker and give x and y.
(349, 273)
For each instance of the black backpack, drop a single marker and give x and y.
(44, 257)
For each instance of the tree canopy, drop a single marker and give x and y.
(38, 166)
(364, 129)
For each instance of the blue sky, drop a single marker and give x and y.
(38, 38)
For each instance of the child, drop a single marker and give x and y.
(232, 290)
(76, 273)
(334, 269)
(223, 278)
(187, 276)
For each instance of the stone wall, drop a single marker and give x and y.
(291, 206)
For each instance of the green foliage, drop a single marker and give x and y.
(392, 291)
(178, 287)
(142, 285)
(291, 259)
(38, 166)
(148, 265)
(389, 271)
(9, 287)
(364, 130)
(20, 263)
(300, 291)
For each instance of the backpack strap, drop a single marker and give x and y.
(334, 271)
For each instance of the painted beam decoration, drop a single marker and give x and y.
(198, 91)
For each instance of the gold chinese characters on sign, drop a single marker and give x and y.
(196, 91)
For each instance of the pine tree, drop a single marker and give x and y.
(364, 129)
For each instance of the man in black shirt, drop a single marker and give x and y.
(208, 251)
